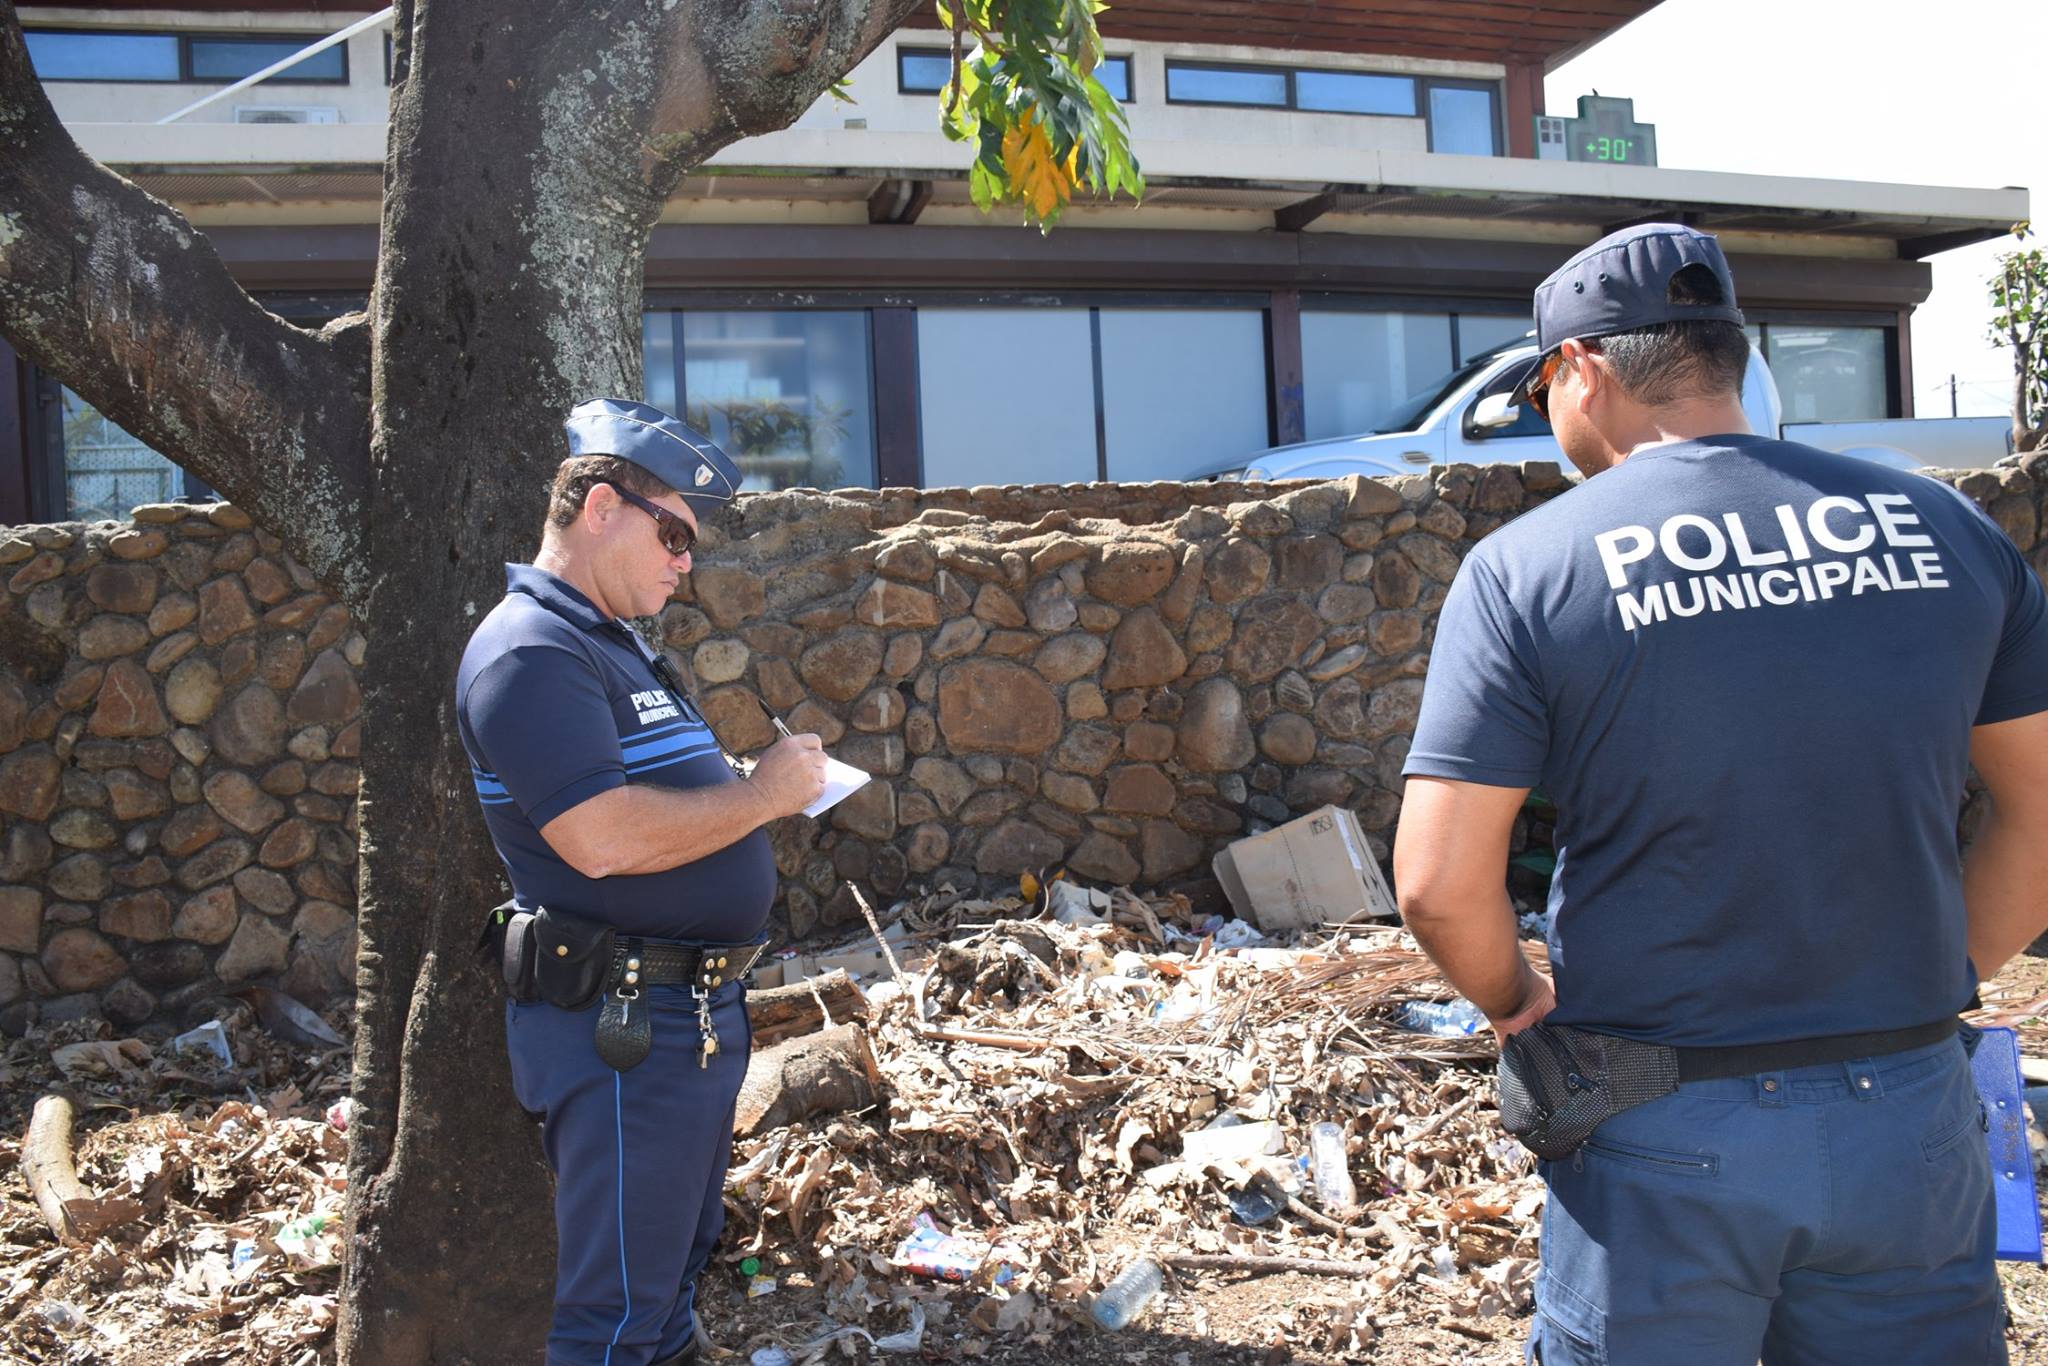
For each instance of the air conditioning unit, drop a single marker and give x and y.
(286, 113)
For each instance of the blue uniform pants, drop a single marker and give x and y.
(639, 1159)
(1829, 1214)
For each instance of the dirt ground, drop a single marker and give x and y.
(228, 1161)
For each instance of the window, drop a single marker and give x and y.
(103, 56)
(107, 472)
(1267, 87)
(1462, 119)
(1182, 389)
(1828, 374)
(788, 393)
(109, 55)
(1350, 92)
(925, 71)
(1479, 332)
(1364, 372)
(231, 59)
(981, 427)
(1462, 116)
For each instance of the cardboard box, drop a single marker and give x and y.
(1315, 870)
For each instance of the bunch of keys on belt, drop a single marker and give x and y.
(705, 1031)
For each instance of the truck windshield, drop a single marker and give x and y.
(1407, 415)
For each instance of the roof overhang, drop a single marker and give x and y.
(194, 165)
(1509, 31)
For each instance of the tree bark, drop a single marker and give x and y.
(533, 146)
(111, 289)
(803, 1007)
(817, 1074)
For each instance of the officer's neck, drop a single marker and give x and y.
(1687, 420)
(575, 568)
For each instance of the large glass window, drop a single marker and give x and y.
(1462, 121)
(114, 55)
(1479, 332)
(787, 393)
(1352, 92)
(107, 472)
(1829, 374)
(1181, 389)
(925, 71)
(1004, 396)
(103, 56)
(230, 59)
(1227, 85)
(1362, 371)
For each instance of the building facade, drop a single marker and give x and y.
(1344, 203)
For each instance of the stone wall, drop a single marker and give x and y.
(177, 785)
(1123, 678)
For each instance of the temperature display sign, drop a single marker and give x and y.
(1605, 131)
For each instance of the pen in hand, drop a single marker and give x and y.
(780, 729)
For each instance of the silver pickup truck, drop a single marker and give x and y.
(1466, 418)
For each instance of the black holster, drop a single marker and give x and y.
(1557, 1084)
(547, 955)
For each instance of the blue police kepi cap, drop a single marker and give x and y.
(678, 455)
(1623, 282)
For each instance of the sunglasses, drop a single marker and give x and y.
(1539, 392)
(677, 535)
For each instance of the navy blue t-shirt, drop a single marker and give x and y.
(557, 703)
(1746, 673)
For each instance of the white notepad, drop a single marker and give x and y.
(841, 782)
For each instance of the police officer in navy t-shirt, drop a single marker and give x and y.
(1752, 676)
(609, 799)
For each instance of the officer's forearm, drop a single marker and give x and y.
(643, 829)
(1476, 946)
(2005, 887)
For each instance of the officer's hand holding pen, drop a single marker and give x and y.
(791, 772)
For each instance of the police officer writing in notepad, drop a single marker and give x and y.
(641, 878)
(1752, 676)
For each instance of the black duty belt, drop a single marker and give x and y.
(637, 963)
(1709, 1064)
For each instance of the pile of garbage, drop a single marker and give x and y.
(229, 1161)
(1112, 1101)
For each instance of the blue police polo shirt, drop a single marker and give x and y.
(1746, 671)
(558, 702)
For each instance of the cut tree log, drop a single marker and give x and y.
(815, 1074)
(780, 1013)
(73, 1213)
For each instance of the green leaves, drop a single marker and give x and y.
(1024, 94)
(2019, 319)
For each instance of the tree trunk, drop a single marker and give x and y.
(817, 1074)
(804, 1007)
(523, 180)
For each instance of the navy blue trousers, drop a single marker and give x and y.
(639, 1159)
(1832, 1214)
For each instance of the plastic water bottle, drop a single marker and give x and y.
(1447, 1019)
(1124, 1298)
(1330, 1168)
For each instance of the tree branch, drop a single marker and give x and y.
(112, 291)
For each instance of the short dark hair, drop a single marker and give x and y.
(579, 474)
(1689, 358)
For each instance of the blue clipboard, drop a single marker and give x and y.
(1995, 1066)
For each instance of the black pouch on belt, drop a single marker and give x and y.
(1557, 1084)
(505, 947)
(572, 958)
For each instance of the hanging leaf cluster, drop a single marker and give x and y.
(1024, 92)
(2019, 319)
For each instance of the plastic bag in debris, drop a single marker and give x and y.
(1237, 934)
(211, 1037)
(1073, 904)
(954, 1257)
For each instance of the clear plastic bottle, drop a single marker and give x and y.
(1330, 1168)
(1124, 1298)
(1447, 1019)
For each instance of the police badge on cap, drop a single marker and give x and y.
(680, 456)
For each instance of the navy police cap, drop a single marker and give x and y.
(1623, 282)
(678, 455)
